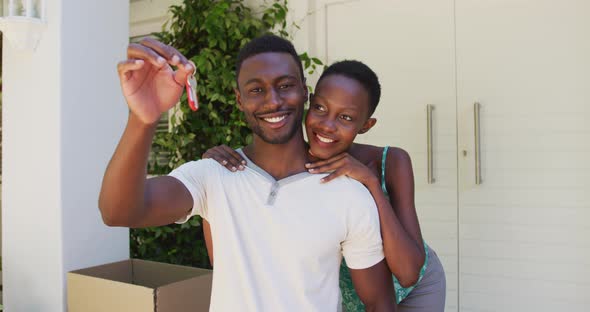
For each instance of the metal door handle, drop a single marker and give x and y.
(476, 113)
(429, 109)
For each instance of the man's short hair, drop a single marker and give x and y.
(264, 44)
(360, 72)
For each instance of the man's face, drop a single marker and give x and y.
(271, 93)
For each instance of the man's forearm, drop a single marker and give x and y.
(122, 192)
(385, 306)
(374, 287)
(383, 296)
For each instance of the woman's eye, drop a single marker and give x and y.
(285, 86)
(346, 117)
(255, 90)
(318, 107)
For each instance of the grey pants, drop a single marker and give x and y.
(429, 295)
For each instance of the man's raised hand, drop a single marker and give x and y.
(150, 85)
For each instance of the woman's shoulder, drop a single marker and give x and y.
(398, 172)
(366, 152)
(398, 164)
(395, 154)
(398, 155)
(398, 169)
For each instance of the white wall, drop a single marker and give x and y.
(63, 114)
(148, 16)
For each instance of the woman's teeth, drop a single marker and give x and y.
(274, 119)
(324, 139)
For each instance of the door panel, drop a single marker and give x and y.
(410, 45)
(524, 233)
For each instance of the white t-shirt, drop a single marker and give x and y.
(279, 244)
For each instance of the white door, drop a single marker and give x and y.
(410, 45)
(525, 231)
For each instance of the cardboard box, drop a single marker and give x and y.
(139, 286)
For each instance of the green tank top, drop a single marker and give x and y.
(350, 300)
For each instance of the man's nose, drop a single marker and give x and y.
(274, 97)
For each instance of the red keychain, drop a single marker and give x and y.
(191, 91)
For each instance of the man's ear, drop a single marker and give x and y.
(305, 88)
(368, 125)
(238, 99)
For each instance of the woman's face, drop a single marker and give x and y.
(338, 111)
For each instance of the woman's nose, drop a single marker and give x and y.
(327, 125)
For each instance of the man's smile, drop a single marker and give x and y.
(275, 120)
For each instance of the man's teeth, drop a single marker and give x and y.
(275, 119)
(324, 139)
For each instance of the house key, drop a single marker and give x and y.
(191, 90)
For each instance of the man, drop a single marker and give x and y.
(279, 233)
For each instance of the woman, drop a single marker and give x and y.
(347, 94)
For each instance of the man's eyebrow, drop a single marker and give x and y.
(253, 80)
(286, 77)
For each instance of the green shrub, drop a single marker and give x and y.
(210, 33)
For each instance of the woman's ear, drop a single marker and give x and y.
(368, 125)
(238, 98)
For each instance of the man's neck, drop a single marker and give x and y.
(279, 160)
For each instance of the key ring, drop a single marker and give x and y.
(191, 89)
